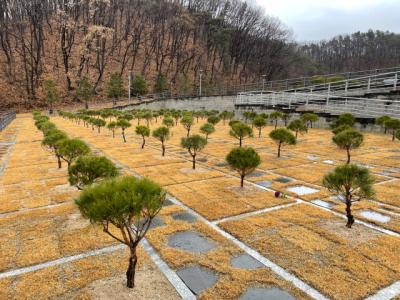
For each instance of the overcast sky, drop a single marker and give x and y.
(322, 19)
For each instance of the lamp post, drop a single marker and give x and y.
(263, 81)
(201, 74)
(129, 86)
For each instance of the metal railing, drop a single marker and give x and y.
(6, 118)
(361, 107)
(319, 80)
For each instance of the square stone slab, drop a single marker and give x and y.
(266, 294)
(190, 241)
(197, 278)
(375, 216)
(323, 203)
(264, 183)
(283, 179)
(245, 261)
(184, 216)
(302, 190)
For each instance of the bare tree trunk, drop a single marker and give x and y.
(194, 162)
(144, 142)
(123, 135)
(241, 180)
(163, 149)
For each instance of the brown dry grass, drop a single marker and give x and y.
(303, 240)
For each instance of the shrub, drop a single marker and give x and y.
(162, 134)
(86, 170)
(243, 160)
(282, 136)
(241, 131)
(128, 204)
(207, 129)
(352, 183)
(144, 132)
(194, 144)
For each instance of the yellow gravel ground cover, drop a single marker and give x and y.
(306, 240)
(74, 280)
(32, 178)
(32, 232)
(222, 197)
(316, 246)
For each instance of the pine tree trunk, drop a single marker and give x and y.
(259, 132)
(144, 142)
(350, 218)
(241, 180)
(123, 135)
(194, 162)
(279, 149)
(240, 142)
(348, 156)
(394, 135)
(163, 149)
(276, 123)
(113, 133)
(130, 273)
(59, 161)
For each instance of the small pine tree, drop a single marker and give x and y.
(240, 131)
(88, 169)
(353, 183)
(70, 149)
(187, 122)
(123, 124)
(348, 140)
(162, 134)
(115, 87)
(194, 144)
(207, 129)
(144, 132)
(138, 86)
(259, 122)
(244, 160)
(297, 126)
(85, 91)
(127, 204)
(51, 93)
(282, 136)
(161, 84)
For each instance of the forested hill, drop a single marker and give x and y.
(357, 51)
(68, 40)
